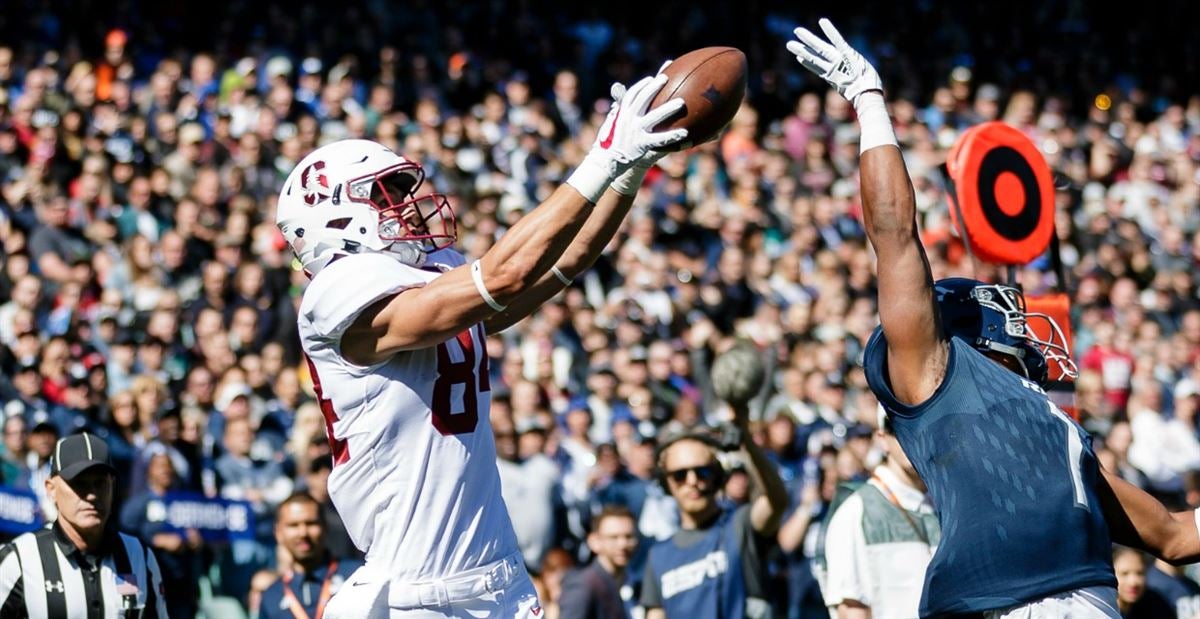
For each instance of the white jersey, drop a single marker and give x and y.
(414, 476)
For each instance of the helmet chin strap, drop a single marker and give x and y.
(1013, 352)
(408, 253)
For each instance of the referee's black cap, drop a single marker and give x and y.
(78, 453)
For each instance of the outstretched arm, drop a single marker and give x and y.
(591, 240)
(422, 317)
(601, 226)
(916, 350)
(1139, 520)
(766, 512)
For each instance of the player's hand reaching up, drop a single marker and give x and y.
(627, 137)
(835, 61)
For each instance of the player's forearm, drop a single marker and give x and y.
(626, 140)
(596, 233)
(580, 255)
(527, 251)
(1139, 520)
(889, 208)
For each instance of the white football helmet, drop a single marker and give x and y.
(353, 196)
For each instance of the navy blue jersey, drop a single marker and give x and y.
(1012, 479)
(309, 591)
(698, 573)
(1178, 590)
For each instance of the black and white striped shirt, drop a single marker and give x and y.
(42, 574)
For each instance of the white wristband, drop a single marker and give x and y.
(1196, 517)
(477, 275)
(873, 121)
(630, 181)
(593, 176)
(566, 281)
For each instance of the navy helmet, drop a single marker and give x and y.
(992, 318)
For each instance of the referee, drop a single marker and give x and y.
(79, 568)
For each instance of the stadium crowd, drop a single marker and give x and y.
(146, 296)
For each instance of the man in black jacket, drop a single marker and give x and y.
(598, 590)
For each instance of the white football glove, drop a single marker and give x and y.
(627, 134)
(835, 61)
(626, 137)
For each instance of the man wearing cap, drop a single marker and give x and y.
(79, 566)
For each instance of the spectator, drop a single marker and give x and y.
(27, 385)
(1162, 449)
(530, 488)
(178, 551)
(1133, 600)
(316, 483)
(26, 295)
(693, 476)
(1174, 587)
(879, 541)
(309, 573)
(58, 244)
(13, 471)
(549, 579)
(260, 483)
(600, 589)
(725, 548)
(42, 439)
(122, 432)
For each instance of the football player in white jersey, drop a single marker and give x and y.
(393, 326)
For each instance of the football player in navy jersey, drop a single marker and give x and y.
(1027, 515)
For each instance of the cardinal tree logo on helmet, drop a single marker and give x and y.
(314, 184)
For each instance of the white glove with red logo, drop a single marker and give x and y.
(626, 137)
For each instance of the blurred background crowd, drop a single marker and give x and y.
(146, 296)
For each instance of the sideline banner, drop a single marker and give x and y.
(216, 519)
(19, 511)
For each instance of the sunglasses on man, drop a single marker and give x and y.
(707, 473)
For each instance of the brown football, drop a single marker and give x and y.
(712, 82)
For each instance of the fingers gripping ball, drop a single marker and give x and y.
(738, 374)
(712, 83)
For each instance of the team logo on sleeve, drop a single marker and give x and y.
(314, 183)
